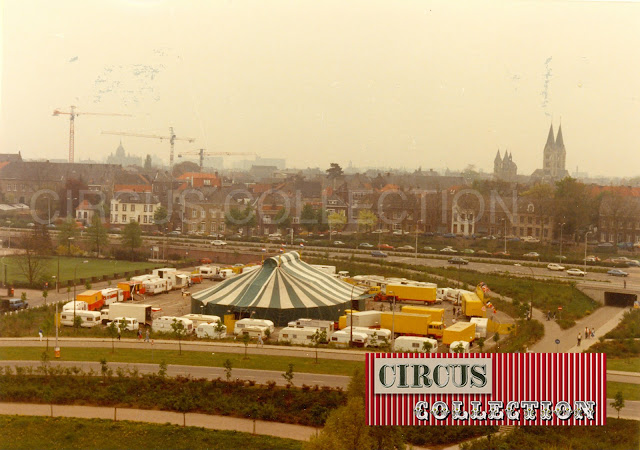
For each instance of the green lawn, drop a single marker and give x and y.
(65, 433)
(624, 364)
(630, 392)
(94, 268)
(189, 358)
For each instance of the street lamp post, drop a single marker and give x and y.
(69, 239)
(416, 253)
(393, 320)
(585, 250)
(561, 227)
(75, 272)
(505, 235)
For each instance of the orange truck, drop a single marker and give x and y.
(94, 299)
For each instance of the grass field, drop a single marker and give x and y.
(65, 433)
(629, 391)
(267, 362)
(94, 268)
(624, 364)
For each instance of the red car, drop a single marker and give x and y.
(385, 246)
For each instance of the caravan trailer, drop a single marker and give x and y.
(163, 324)
(111, 295)
(89, 318)
(300, 336)
(155, 286)
(254, 331)
(324, 325)
(456, 344)
(209, 330)
(207, 272)
(414, 344)
(197, 319)
(377, 337)
(79, 306)
(481, 326)
(244, 323)
(342, 339)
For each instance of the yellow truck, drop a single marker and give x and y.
(436, 326)
(408, 292)
(94, 299)
(460, 331)
(472, 306)
(410, 324)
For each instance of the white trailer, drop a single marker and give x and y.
(324, 325)
(155, 286)
(208, 271)
(197, 319)
(377, 337)
(365, 319)
(131, 323)
(111, 295)
(209, 330)
(414, 344)
(342, 339)
(295, 335)
(144, 277)
(455, 344)
(481, 326)
(140, 312)
(164, 324)
(80, 306)
(255, 331)
(88, 318)
(181, 280)
(244, 323)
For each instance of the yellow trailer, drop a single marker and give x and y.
(407, 292)
(405, 323)
(472, 306)
(460, 331)
(437, 314)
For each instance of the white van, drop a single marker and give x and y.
(89, 318)
(197, 319)
(454, 345)
(481, 326)
(342, 339)
(131, 322)
(80, 306)
(163, 324)
(300, 336)
(377, 337)
(244, 323)
(414, 344)
(209, 330)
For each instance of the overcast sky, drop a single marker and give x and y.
(385, 83)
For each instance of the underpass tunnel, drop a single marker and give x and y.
(619, 299)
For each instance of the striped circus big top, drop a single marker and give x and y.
(283, 289)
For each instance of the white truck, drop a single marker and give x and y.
(155, 286)
(137, 311)
(208, 272)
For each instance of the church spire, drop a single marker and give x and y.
(559, 141)
(498, 158)
(550, 141)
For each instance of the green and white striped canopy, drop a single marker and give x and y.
(283, 289)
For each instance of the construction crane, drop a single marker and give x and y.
(72, 118)
(172, 139)
(202, 153)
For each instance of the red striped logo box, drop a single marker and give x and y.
(486, 389)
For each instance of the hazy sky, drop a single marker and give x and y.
(386, 83)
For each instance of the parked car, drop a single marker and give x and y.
(592, 259)
(560, 257)
(618, 273)
(482, 252)
(605, 244)
(379, 254)
(530, 239)
(218, 243)
(501, 254)
(449, 235)
(468, 251)
(576, 272)
(554, 266)
(531, 255)
(17, 303)
(397, 233)
(458, 260)
(174, 233)
(428, 249)
(385, 246)
(365, 245)
(633, 263)
(406, 247)
(449, 250)
(338, 243)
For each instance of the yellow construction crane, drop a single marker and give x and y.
(202, 153)
(171, 137)
(72, 118)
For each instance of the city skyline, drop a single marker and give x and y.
(431, 86)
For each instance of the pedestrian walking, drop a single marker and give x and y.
(586, 332)
(146, 336)
(260, 343)
(41, 334)
(119, 334)
(139, 334)
(625, 284)
(579, 338)
(593, 332)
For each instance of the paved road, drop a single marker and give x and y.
(211, 373)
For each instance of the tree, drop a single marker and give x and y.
(334, 171)
(67, 232)
(238, 218)
(336, 221)
(574, 206)
(77, 322)
(319, 337)
(227, 369)
(480, 344)
(245, 340)
(45, 294)
(308, 218)
(179, 331)
(148, 165)
(283, 218)
(122, 327)
(112, 331)
(184, 404)
(97, 234)
(219, 328)
(427, 346)
(160, 216)
(367, 220)
(458, 348)
(618, 402)
(132, 237)
(321, 220)
(32, 266)
(541, 197)
(288, 376)
(42, 239)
